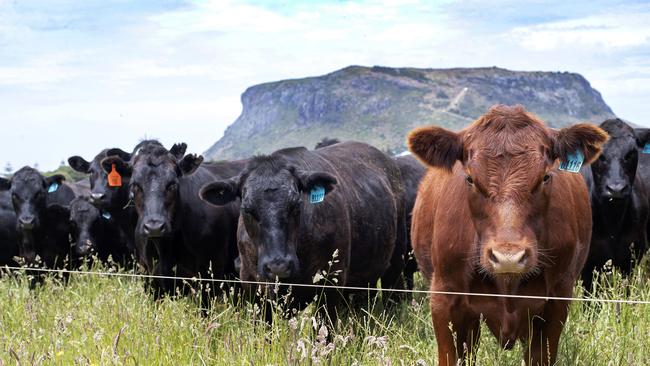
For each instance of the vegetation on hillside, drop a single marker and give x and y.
(70, 174)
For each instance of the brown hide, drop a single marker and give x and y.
(495, 215)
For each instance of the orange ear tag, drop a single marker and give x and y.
(114, 178)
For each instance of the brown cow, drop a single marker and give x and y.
(495, 215)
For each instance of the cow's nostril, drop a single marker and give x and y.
(279, 268)
(154, 228)
(524, 257)
(617, 189)
(97, 196)
(492, 257)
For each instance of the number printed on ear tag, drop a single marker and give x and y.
(646, 148)
(53, 187)
(573, 163)
(317, 194)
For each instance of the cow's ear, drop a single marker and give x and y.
(79, 164)
(436, 146)
(309, 179)
(642, 136)
(119, 153)
(190, 163)
(221, 192)
(583, 137)
(178, 150)
(54, 179)
(5, 184)
(122, 167)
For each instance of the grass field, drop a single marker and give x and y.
(96, 320)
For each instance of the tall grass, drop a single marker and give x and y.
(96, 320)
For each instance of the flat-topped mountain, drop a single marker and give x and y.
(379, 105)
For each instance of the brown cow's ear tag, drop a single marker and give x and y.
(114, 178)
(573, 163)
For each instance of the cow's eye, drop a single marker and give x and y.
(469, 180)
(629, 156)
(547, 177)
(601, 157)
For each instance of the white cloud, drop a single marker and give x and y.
(604, 32)
(178, 74)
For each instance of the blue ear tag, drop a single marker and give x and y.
(53, 187)
(646, 148)
(106, 215)
(317, 194)
(573, 163)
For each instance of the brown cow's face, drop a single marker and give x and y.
(507, 168)
(508, 196)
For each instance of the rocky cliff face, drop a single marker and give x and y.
(379, 105)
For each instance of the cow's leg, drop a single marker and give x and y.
(467, 339)
(393, 278)
(546, 332)
(451, 319)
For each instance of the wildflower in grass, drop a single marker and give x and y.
(293, 324)
(379, 342)
(302, 348)
(321, 348)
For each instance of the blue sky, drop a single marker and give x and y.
(77, 76)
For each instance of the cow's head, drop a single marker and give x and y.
(29, 190)
(154, 188)
(272, 192)
(102, 194)
(615, 169)
(507, 170)
(85, 225)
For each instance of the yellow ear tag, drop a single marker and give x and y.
(114, 178)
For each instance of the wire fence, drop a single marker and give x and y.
(324, 286)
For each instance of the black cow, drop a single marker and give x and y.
(94, 231)
(176, 232)
(412, 172)
(285, 231)
(115, 201)
(619, 201)
(8, 241)
(42, 228)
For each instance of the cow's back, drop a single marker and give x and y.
(360, 217)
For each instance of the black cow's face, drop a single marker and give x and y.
(102, 195)
(85, 219)
(29, 190)
(154, 189)
(270, 211)
(615, 170)
(155, 176)
(271, 199)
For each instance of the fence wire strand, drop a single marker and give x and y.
(333, 287)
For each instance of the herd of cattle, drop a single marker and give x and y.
(490, 209)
